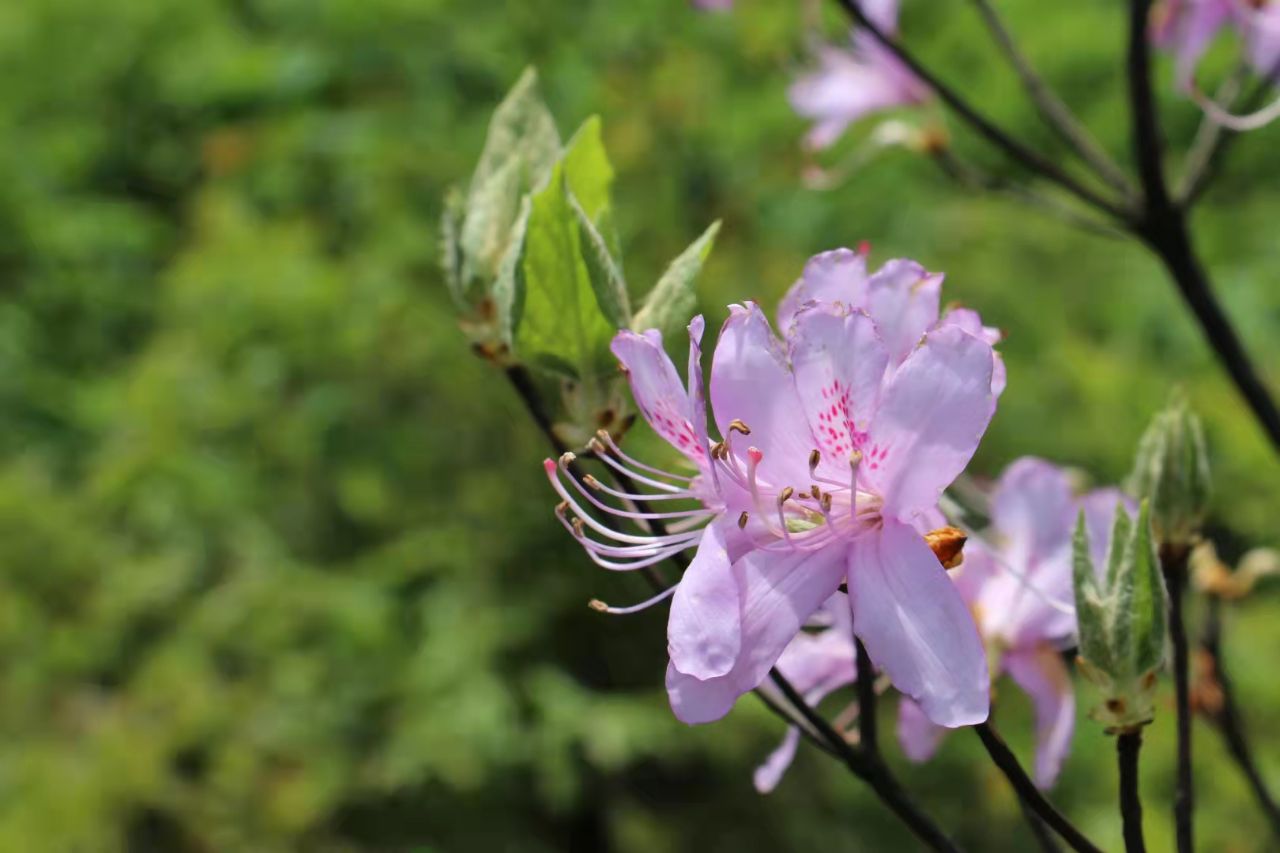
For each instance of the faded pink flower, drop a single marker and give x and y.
(1186, 28)
(1019, 587)
(836, 447)
(851, 82)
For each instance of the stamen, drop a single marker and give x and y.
(739, 426)
(742, 520)
(786, 495)
(600, 607)
(607, 439)
(632, 514)
(855, 459)
(814, 458)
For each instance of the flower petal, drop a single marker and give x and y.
(836, 276)
(779, 592)
(770, 773)
(1042, 674)
(751, 382)
(931, 417)
(657, 389)
(910, 616)
(902, 297)
(704, 629)
(839, 365)
(917, 734)
(1034, 510)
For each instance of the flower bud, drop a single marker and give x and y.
(1121, 613)
(1171, 470)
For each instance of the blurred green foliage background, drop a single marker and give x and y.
(279, 565)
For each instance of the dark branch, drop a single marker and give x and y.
(982, 125)
(1162, 226)
(1173, 562)
(1226, 716)
(872, 770)
(1127, 747)
(1027, 791)
(867, 736)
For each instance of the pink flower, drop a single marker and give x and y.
(1020, 592)
(849, 83)
(836, 447)
(1187, 28)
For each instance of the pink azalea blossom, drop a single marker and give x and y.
(1020, 591)
(851, 82)
(836, 446)
(1186, 28)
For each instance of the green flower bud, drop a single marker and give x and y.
(1171, 470)
(1121, 615)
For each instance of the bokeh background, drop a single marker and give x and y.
(278, 569)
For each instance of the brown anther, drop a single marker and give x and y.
(855, 459)
(947, 544)
(718, 450)
(816, 492)
(562, 507)
(598, 605)
(814, 458)
(578, 528)
(567, 458)
(596, 446)
(739, 426)
(826, 502)
(591, 482)
(742, 521)
(786, 495)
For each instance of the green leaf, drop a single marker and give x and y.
(604, 272)
(562, 322)
(450, 246)
(1090, 617)
(1120, 528)
(1149, 597)
(522, 127)
(672, 301)
(491, 210)
(509, 286)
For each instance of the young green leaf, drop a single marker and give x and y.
(509, 286)
(450, 246)
(672, 301)
(562, 323)
(604, 272)
(522, 127)
(491, 211)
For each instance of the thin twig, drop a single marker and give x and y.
(970, 177)
(984, 126)
(1206, 145)
(1173, 562)
(1056, 114)
(872, 770)
(1027, 791)
(1128, 746)
(867, 735)
(1227, 716)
